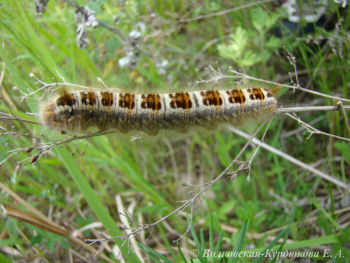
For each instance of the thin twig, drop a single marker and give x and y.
(300, 129)
(293, 160)
(312, 108)
(312, 130)
(19, 119)
(345, 117)
(223, 11)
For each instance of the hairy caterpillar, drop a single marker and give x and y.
(77, 111)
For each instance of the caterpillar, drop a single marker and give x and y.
(77, 111)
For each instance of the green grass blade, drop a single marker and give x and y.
(224, 257)
(278, 251)
(202, 239)
(198, 244)
(240, 241)
(3, 259)
(211, 237)
(149, 251)
(12, 69)
(270, 246)
(181, 254)
(305, 243)
(218, 244)
(327, 215)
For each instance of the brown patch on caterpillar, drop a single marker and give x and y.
(127, 100)
(65, 99)
(180, 100)
(236, 96)
(151, 101)
(258, 94)
(107, 99)
(211, 97)
(88, 98)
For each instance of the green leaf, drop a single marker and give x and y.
(239, 39)
(218, 244)
(257, 26)
(3, 259)
(344, 150)
(265, 56)
(196, 241)
(271, 20)
(10, 242)
(227, 207)
(236, 46)
(36, 240)
(202, 239)
(273, 43)
(278, 251)
(50, 244)
(12, 70)
(305, 243)
(259, 18)
(151, 252)
(211, 237)
(250, 58)
(181, 254)
(228, 52)
(239, 244)
(270, 246)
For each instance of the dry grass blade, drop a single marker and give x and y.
(28, 218)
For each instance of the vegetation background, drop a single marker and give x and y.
(179, 40)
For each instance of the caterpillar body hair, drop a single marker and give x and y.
(77, 111)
